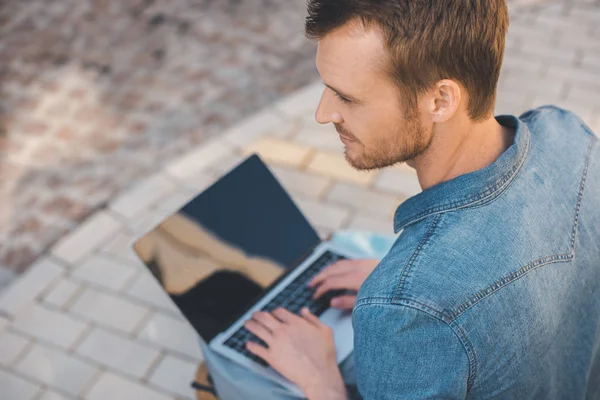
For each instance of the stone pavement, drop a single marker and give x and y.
(97, 94)
(87, 321)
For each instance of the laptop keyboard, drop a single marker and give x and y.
(293, 297)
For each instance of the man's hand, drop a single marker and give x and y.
(301, 348)
(344, 274)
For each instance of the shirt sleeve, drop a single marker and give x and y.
(404, 353)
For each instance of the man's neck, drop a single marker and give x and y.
(460, 147)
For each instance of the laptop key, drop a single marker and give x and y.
(293, 298)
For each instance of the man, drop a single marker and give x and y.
(493, 288)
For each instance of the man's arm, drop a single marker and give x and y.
(404, 353)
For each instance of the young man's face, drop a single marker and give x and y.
(363, 103)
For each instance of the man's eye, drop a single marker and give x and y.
(343, 99)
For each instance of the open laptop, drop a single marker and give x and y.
(242, 246)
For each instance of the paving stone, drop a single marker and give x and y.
(7, 277)
(279, 152)
(199, 181)
(122, 247)
(51, 326)
(198, 160)
(398, 182)
(264, 123)
(174, 375)
(4, 322)
(147, 289)
(56, 369)
(335, 166)
(108, 310)
(172, 334)
(24, 291)
(49, 395)
(11, 345)
(114, 351)
(323, 214)
(322, 137)
(114, 387)
(15, 387)
(363, 201)
(175, 202)
(60, 294)
(302, 102)
(307, 184)
(106, 272)
(88, 237)
(137, 200)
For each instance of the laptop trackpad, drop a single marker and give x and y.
(343, 335)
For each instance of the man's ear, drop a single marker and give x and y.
(444, 100)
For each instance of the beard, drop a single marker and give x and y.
(387, 150)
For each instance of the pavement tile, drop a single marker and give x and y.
(172, 334)
(17, 388)
(322, 137)
(121, 247)
(305, 183)
(279, 151)
(51, 326)
(335, 166)
(302, 102)
(22, 293)
(267, 122)
(198, 160)
(114, 351)
(11, 345)
(60, 294)
(137, 200)
(174, 375)
(147, 289)
(398, 182)
(108, 310)
(362, 200)
(106, 272)
(56, 369)
(113, 387)
(323, 215)
(50, 395)
(87, 238)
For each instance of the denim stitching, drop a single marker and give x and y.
(580, 194)
(454, 327)
(415, 254)
(564, 257)
(496, 189)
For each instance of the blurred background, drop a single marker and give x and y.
(113, 113)
(96, 94)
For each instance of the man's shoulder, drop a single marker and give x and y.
(551, 118)
(443, 265)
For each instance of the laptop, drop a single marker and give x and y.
(242, 246)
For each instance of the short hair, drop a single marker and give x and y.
(429, 40)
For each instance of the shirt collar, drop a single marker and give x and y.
(475, 187)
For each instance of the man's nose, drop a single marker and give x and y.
(326, 113)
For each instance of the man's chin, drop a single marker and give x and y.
(364, 163)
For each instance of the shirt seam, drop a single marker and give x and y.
(561, 257)
(483, 197)
(451, 324)
(412, 259)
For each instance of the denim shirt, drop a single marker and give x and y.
(492, 290)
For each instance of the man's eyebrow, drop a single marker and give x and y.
(347, 96)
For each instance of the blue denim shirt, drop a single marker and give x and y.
(492, 290)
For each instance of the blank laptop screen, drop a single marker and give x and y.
(216, 256)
